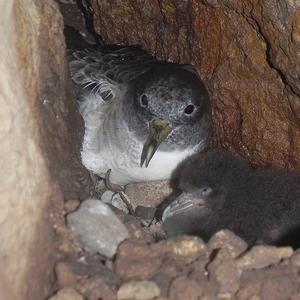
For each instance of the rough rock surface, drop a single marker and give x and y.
(263, 256)
(67, 294)
(38, 152)
(149, 194)
(96, 228)
(139, 290)
(183, 268)
(247, 52)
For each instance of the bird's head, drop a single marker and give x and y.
(207, 181)
(173, 109)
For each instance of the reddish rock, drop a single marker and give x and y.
(149, 194)
(224, 270)
(138, 290)
(40, 140)
(67, 294)
(226, 239)
(71, 205)
(278, 283)
(65, 275)
(135, 260)
(184, 288)
(134, 226)
(184, 248)
(247, 52)
(260, 257)
(95, 288)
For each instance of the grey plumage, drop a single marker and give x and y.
(220, 190)
(135, 106)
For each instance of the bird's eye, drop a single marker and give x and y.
(144, 100)
(206, 191)
(189, 109)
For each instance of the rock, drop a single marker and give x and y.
(224, 270)
(296, 296)
(225, 239)
(72, 270)
(253, 80)
(67, 294)
(71, 205)
(65, 275)
(164, 280)
(185, 248)
(198, 270)
(145, 213)
(115, 200)
(149, 194)
(107, 196)
(96, 228)
(134, 226)
(184, 288)
(118, 202)
(262, 256)
(139, 290)
(95, 288)
(278, 283)
(135, 260)
(295, 259)
(39, 153)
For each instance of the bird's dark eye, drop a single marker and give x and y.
(189, 109)
(144, 100)
(206, 191)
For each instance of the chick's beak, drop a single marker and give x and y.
(182, 203)
(159, 129)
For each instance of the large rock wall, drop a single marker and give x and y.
(247, 52)
(39, 143)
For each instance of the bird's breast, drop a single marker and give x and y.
(160, 167)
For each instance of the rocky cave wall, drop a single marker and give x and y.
(40, 134)
(247, 52)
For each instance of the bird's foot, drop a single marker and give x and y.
(118, 189)
(112, 186)
(98, 183)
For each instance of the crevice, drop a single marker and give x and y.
(257, 27)
(86, 9)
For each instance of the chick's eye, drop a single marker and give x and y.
(205, 191)
(144, 101)
(189, 109)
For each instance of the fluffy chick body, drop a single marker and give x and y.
(257, 205)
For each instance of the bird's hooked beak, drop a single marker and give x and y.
(181, 204)
(159, 129)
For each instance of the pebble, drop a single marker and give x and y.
(65, 276)
(71, 205)
(225, 271)
(260, 257)
(226, 239)
(115, 200)
(183, 288)
(139, 290)
(149, 194)
(67, 294)
(107, 196)
(188, 248)
(96, 228)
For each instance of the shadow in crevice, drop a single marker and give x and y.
(291, 238)
(87, 12)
